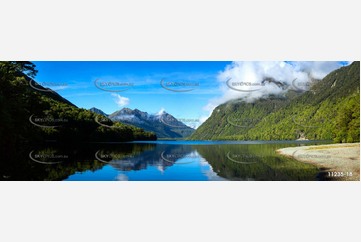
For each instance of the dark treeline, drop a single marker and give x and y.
(33, 115)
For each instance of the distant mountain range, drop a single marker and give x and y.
(329, 110)
(162, 124)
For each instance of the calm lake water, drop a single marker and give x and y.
(160, 161)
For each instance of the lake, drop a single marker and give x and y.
(160, 161)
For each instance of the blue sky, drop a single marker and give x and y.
(77, 84)
(84, 83)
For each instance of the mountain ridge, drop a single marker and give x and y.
(164, 125)
(31, 113)
(329, 111)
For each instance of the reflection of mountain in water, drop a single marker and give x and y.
(254, 162)
(233, 162)
(161, 156)
(229, 161)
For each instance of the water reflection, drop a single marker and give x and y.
(255, 162)
(138, 159)
(47, 162)
(169, 161)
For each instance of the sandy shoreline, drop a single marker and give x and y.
(339, 162)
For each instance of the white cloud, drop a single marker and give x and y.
(161, 111)
(255, 72)
(120, 101)
(317, 69)
(122, 177)
(202, 119)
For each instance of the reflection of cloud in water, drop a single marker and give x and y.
(207, 170)
(122, 177)
(211, 175)
(194, 154)
(160, 168)
(203, 162)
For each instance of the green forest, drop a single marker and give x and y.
(330, 110)
(30, 115)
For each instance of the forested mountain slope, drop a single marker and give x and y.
(330, 110)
